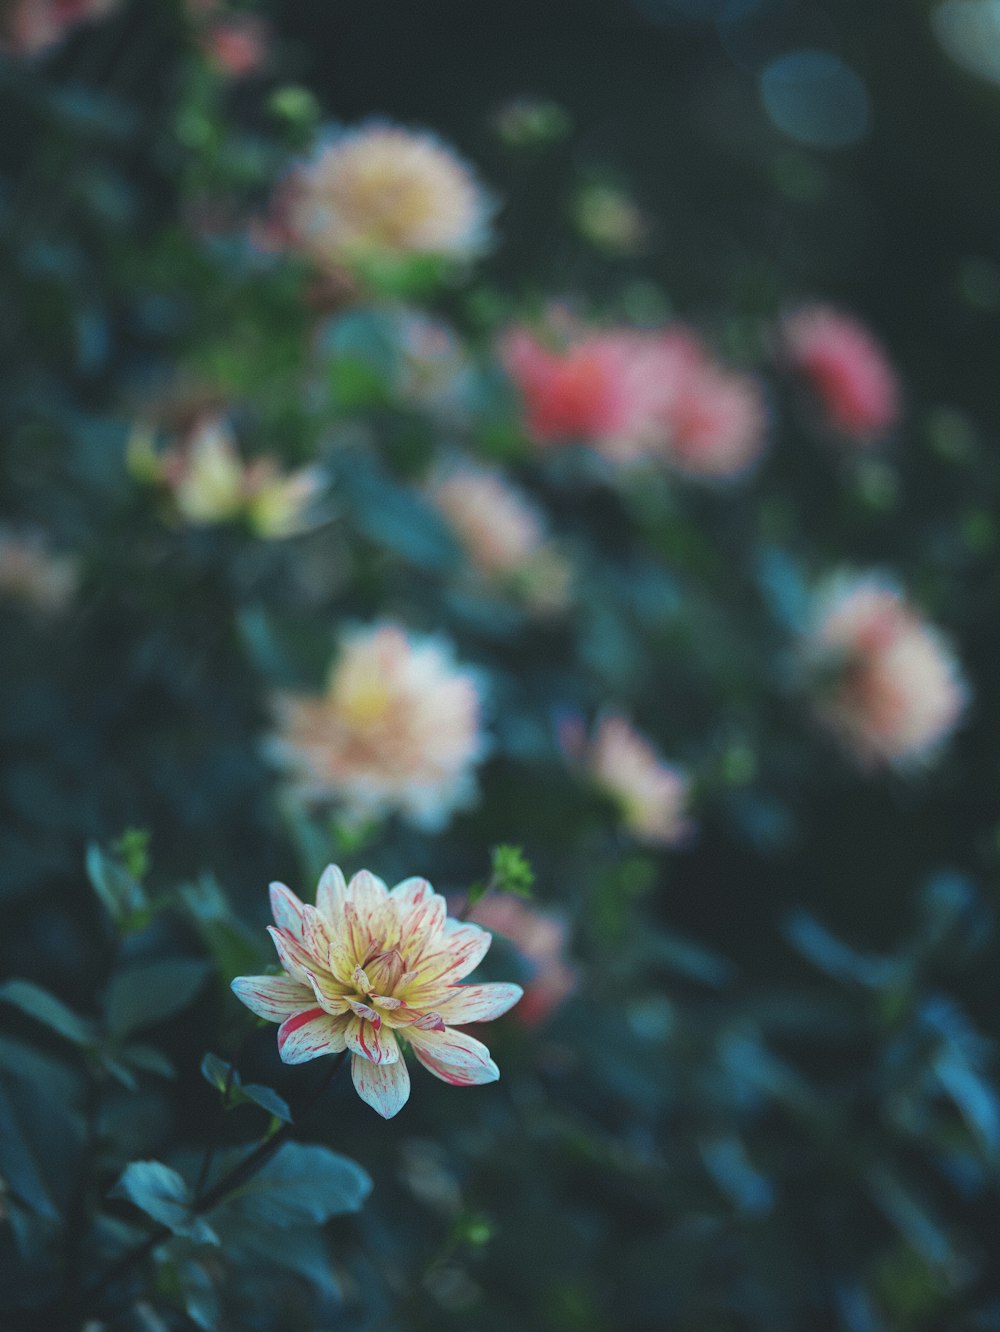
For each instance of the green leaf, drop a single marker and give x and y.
(302, 1183)
(120, 891)
(149, 992)
(163, 1195)
(46, 1008)
(148, 1059)
(227, 1080)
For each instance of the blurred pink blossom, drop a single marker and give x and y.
(651, 794)
(887, 683)
(541, 939)
(31, 573)
(29, 27)
(846, 369)
(237, 45)
(397, 729)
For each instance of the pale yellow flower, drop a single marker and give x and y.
(396, 730)
(376, 971)
(382, 191)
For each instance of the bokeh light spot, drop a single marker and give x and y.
(816, 99)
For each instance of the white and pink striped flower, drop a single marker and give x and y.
(374, 971)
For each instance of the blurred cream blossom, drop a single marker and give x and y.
(374, 971)
(651, 794)
(210, 483)
(384, 192)
(888, 684)
(503, 533)
(30, 573)
(30, 27)
(540, 937)
(397, 729)
(845, 368)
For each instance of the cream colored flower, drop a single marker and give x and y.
(887, 683)
(373, 971)
(210, 483)
(381, 191)
(503, 533)
(396, 730)
(651, 793)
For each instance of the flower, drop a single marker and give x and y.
(846, 369)
(236, 45)
(651, 794)
(384, 192)
(210, 483)
(540, 938)
(397, 729)
(30, 573)
(887, 684)
(715, 420)
(373, 971)
(502, 531)
(31, 27)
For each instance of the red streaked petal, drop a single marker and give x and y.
(377, 1044)
(287, 910)
(291, 954)
(453, 1056)
(272, 997)
(327, 994)
(331, 893)
(458, 950)
(309, 1034)
(478, 1003)
(385, 1087)
(364, 1011)
(367, 892)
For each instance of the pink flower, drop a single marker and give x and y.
(30, 27)
(888, 684)
(715, 420)
(846, 369)
(396, 730)
(502, 531)
(237, 45)
(651, 794)
(540, 937)
(383, 192)
(30, 573)
(376, 971)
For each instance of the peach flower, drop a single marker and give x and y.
(502, 531)
(888, 684)
(397, 729)
(30, 27)
(376, 971)
(651, 794)
(540, 937)
(384, 192)
(846, 369)
(29, 572)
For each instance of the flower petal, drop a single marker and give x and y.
(453, 1056)
(331, 894)
(422, 914)
(367, 892)
(478, 1003)
(458, 950)
(385, 1087)
(326, 992)
(377, 1044)
(272, 997)
(292, 955)
(309, 1034)
(287, 910)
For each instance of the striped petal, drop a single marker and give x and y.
(326, 993)
(287, 910)
(453, 1056)
(272, 997)
(385, 1087)
(292, 955)
(331, 893)
(478, 1003)
(310, 1034)
(367, 891)
(370, 1042)
(422, 914)
(458, 950)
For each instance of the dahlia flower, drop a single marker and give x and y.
(396, 730)
(384, 192)
(502, 531)
(888, 684)
(846, 369)
(30, 27)
(210, 483)
(29, 572)
(373, 971)
(651, 794)
(540, 937)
